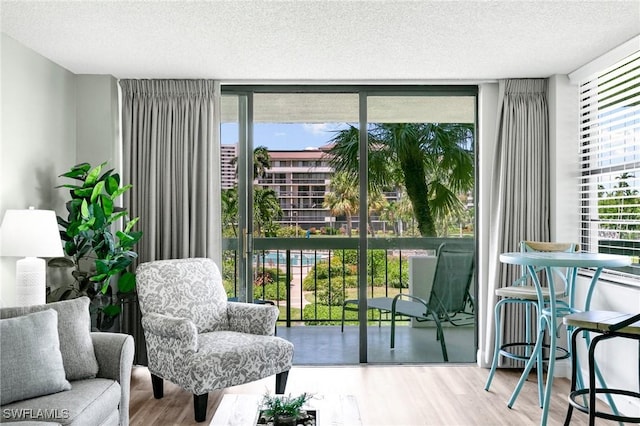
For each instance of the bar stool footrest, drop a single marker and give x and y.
(506, 351)
(573, 400)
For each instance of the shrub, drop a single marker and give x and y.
(321, 271)
(350, 256)
(266, 287)
(323, 312)
(290, 231)
(271, 291)
(329, 231)
(331, 297)
(309, 284)
(394, 276)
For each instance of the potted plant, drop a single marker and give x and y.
(100, 247)
(284, 410)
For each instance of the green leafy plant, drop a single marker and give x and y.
(99, 250)
(284, 406)
(331, 296)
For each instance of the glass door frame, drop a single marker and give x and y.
(246, 242)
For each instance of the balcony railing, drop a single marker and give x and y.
(323, 272)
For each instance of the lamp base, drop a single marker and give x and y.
(31, 281)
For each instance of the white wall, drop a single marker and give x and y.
(51, 120)
(563, 151)
(38, 136)
(98, 133)
(487, 120)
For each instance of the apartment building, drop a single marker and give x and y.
(301, 180)
(228, 153)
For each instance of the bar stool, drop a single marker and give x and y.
(608, 325)
(519, 293)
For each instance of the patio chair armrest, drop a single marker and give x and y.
(252, 318)
(175, 332)
(408, 296)
(413, 298)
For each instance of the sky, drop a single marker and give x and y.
(284, 136)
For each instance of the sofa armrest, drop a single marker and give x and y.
(114, 353)
(252, 318)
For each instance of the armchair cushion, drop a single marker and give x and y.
(74, 325)
(228, 358)
(30, 361)
(184, 288)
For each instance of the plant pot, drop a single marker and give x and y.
(284, 420)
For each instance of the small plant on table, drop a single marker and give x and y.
(284, 410)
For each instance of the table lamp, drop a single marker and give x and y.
(33, 234)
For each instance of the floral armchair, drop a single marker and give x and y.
(200, 341)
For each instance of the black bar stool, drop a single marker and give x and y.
(608, 325)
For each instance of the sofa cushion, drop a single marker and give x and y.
(89, 402)
(30, 360)
(74, 325)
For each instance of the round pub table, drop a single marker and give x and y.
(548, 261)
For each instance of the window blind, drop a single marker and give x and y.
(610, 161)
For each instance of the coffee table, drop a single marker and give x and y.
(242, 410)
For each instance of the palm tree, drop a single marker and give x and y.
(389, 215)
(266, 210)
(266, 206)
(376, 203)
(261, 161)
(433, 161)
(342, 200)
(230, 209)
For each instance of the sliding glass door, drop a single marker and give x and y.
(319, 216)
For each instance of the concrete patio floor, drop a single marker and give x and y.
(326, 345)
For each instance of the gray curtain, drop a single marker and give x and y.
(171, 152)
(520, 189)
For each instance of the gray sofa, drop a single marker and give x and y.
(55, 370)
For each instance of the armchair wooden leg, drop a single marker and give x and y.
(281, 382)
(200, 406)
(158, 388)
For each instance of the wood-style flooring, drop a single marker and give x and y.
(448, 395)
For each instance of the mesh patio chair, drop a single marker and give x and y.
(448, 301)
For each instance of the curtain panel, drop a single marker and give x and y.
(520, 190)
(171, 156)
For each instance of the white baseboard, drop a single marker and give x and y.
(562, 369)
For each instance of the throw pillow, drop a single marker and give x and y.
(30, 360)
(74, 326)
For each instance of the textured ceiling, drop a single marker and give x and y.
(322, 40)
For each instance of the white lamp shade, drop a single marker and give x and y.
(30, 233)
